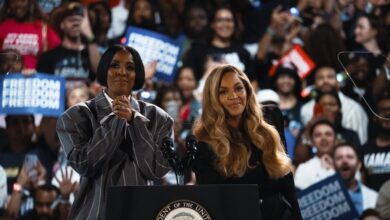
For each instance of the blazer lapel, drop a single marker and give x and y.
(103, 108)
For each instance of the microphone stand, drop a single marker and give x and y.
(180, 167)
(169, 153)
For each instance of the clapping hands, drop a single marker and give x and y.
(122, 108)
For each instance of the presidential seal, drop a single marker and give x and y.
(183, 210)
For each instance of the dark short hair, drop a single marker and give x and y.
(292, 73)
(321, 121)
(47, 187)
(346, 144)
(105, 61)
(9, 116)
(370, 212)
(333, 93)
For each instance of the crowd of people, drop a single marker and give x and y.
(335, 120)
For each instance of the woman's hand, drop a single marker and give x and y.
(122, 108)
(86, 29)
(23, 178)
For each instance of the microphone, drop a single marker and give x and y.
(191, 145)
(169, 153)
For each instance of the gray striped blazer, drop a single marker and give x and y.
(107, 151)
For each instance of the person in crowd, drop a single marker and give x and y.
(323, 137)
(3, 187)
(24, 27)
(48, 143)
(269, 101)
(100, 17)
(29, 178)
(142, 14)
(347, 163)
(369, 34)
(116, 140)
(172, 14)
(185, 80)
(73, 59)
(33, 198)
(281, 34)
(11, 61)
(376, 151)
(354, 116)
(362, 72)
(383, 202)
(196, 24)
(20, 130)
(222, 47)
(287, 84)
(44, 196)
(79, 93)
(169, 99)
(328, 104)
(323, 45)
(236, 145)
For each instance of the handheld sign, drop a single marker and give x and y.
(153, 46)
(327, 199)
(299, 58)
(38, 94)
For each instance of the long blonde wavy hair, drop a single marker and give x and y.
(232, 148)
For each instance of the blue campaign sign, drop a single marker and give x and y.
(39, 94)
(327, 199)
(153, 46)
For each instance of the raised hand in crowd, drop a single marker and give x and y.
(327, 161)
(150, 70)
(25, 183)
(86, 29)
(279, 19)
(66, 184)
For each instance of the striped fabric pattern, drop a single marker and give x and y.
(107, 151)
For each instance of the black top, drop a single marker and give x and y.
(376, 164)
(68, 63)
(270, 190)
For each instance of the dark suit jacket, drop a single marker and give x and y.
(107, 151)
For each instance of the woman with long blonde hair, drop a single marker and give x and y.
(236, 145)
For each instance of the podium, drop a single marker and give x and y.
(206, 202)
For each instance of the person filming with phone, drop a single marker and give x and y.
(31, 175)
(19, 131)
(34, 198)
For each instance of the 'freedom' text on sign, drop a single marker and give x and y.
(327, 199)
(39, 94)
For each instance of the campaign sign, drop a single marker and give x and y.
(327, 199)
(299, 58)
(153, 46)
(38, 94)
